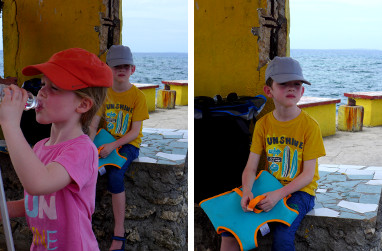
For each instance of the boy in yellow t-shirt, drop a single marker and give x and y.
(292, 142)
(122, 114)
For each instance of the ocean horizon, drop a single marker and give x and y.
(332, 72)
(151, 67)
(335, 72)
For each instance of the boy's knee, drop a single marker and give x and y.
(115, 183)
(229, 243)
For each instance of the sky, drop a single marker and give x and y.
(336, 24)
(155, 25)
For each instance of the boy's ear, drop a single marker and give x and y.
(267, 91)
(85, 105)
(133, 70)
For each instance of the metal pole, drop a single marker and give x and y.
(5, 217)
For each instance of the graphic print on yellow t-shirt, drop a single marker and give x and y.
(117, 121)
(283, 159)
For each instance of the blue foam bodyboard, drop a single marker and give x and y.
(114, 158)
(226, 214)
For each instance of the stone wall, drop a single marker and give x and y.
(156, 208)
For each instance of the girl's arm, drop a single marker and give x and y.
(248, 178)
(35, 177)
(125, 139)
(301, 181)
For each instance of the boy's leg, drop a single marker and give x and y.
(117, 187)
(229, 243)
(118, 202)
(283, 236)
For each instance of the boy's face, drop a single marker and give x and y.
(285, 94)
(122, 73)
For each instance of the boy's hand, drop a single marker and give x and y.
(270, 200)
(247, 197)
(106, 149)
(12, 106)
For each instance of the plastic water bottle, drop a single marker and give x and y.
(31, 102)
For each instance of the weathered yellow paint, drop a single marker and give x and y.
(372, 112)
(225, 50)
(149, 90)
(166, 99)
(150, 98)
(226, 53)
(34, 30)
(181, 94)
(350, 118)
(325, 115)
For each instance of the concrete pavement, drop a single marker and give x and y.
(354, 148)
(168, 118)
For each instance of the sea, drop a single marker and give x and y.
(331, 72)
(151, 68)
(335, 72)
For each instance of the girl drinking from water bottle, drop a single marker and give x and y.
(59, 174)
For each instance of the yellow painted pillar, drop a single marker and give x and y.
(373, 111)
(150, 98)
(350, 118)
(33, 30)
(181, 89)
(372, 104)
(150, 91)
(325, 115)
(181, 94)
(225, 50)
(166, 99)
(323, 110)
(233, 41)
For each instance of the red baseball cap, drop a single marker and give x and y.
(73, 69)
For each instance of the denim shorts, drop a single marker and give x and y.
(283, 236)
(115, 175)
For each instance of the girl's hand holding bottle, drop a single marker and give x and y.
(12, 105)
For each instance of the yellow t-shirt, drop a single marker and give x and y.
(287, 145)
(120, 109)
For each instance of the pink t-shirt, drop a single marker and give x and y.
(62, 220)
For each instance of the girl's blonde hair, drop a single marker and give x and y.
(97, 95)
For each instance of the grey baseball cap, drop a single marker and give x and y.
(119, 55)
(285, 69)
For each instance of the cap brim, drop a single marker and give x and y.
(58, 75)
(283, 78)
(116, 62)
